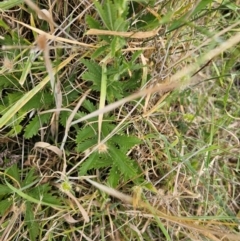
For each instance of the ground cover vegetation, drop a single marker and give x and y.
(119, 120)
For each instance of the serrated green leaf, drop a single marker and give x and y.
(43, 188)
(4, 190)
(87, 136)
(49, 198)
(64, 115)
(83, 146)
(104, 14)
(29, 178)
(85, 133)
(16, 129)
(36, 102)
(93, 73)
(114, 176)
(46, 99)
(113, 14)
(35, 124)
(89, 106)
(100, 51)
(121, 25)
(5, 205)
(126, 142)
(95, 161)
(14, 97)
(93, 78)
(8, 80)
(107, 127)
(125, 165)
(114, 91)
(70, 97)
(92, 23)
(13, 171)
(44, 193)
(88, 164)
(93, 67)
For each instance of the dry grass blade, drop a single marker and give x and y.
(207, 57)
(53, 37)
(7, 235)
(205, 43)
(45, 145)
(188, 223)
(161, 88)
(111, 191)
(136, 35)
(143, 115)
(81, 209)
(174, 83)
(39, 12)
(56, 86)
(70, 118)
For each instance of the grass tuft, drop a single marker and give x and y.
(119, 120)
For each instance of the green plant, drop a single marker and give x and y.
(113, 77)
(163, 166)
(112, 154)
(22, 196)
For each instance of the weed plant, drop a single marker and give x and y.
(119, 120)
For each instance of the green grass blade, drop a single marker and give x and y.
(27, 68)
(27, 97)
(5, 5)
(29, 198)
(201, 5)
